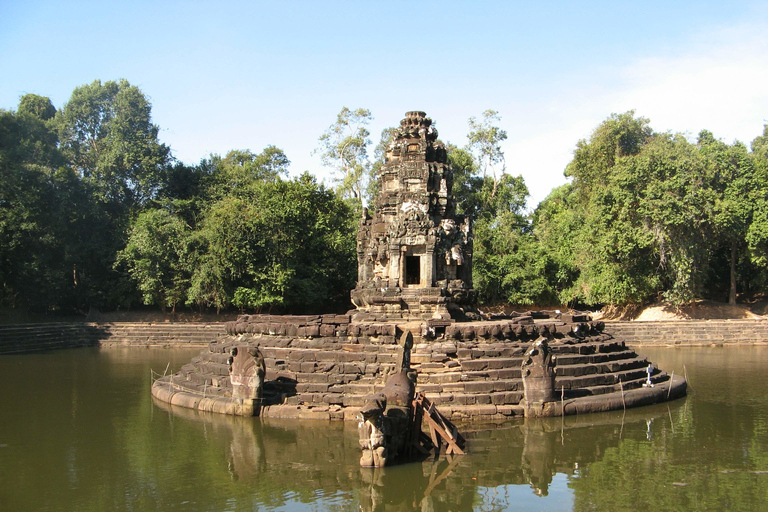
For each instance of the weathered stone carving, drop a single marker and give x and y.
(404, 352)
(385, 421)
(371, 431)
(414, 249)
(538, 371)
(246, 372)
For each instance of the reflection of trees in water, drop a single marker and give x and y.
(706, 457)
(533, 451)
(283, 460)
(525, 453)
(709, 452)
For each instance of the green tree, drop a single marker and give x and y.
(610, 262)
(467, 184)
(286, 243)
(106, 132)
(188, 190)
(618, 136)
(556, 224)
(667, 189)
(48, 221)
(485, 144)
(757, 231)
(36, 106)
(234, 173)
(650, 215)
(156, 257)
(379, 155)
(731, 176)
(31, 248)
(508, 266)
(344, 148)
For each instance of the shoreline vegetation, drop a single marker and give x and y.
(97, 215)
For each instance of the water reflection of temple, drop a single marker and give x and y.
(321, 458)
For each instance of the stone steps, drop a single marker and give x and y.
(165, 334)
(345, 375)
(605, 379)
(476, 375)
(692, 332)
(578, 370)
(450, 373)
(571, 359)
(616, 388)
(501, 397)
(491, 363)
(504, 373)
(21, 338)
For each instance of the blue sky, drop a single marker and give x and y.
(242, 75)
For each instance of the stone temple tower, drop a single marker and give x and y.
(414, 253)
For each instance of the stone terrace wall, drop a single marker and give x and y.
(22, 338)
(19, 338)
(160, 334)
(691, 332)
(47, 336)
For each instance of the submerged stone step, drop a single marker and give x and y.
(627, 385)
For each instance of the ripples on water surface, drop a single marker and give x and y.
(80, 431)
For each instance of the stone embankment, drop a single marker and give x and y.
(691, 332)
(21, 338)
(161, 334)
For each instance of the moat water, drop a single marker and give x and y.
(79, 430)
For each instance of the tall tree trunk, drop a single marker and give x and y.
(732, 291)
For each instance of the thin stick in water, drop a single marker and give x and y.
(562, 401)
(670, 384)
(623, 402)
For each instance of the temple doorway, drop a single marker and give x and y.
(412, 270)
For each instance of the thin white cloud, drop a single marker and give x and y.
(721, 87)
(717, 82)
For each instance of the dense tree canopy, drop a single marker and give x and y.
(31, 234)
(508, 266)
(651, 215)
(94, 211)
(157, 257)
(106, 132)
(287, 243)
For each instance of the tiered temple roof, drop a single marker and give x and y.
(414, 252)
